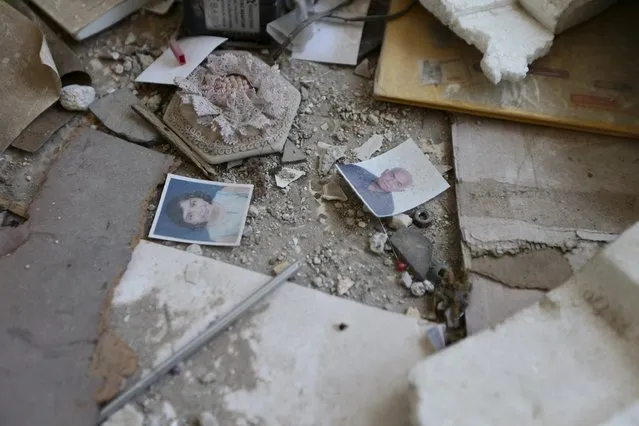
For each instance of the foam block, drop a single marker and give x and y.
(559, 15)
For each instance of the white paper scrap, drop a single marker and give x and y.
(166, 67)
(324, 41)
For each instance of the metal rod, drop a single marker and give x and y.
(197, 343)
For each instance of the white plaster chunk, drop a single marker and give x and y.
(127, 416)
(551, 363)
(77, 98)
(559, 15)
(300, 362)
(504, 32)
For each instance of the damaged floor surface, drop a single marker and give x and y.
(527, 225)
(571, 359)
(301, 357)
(56, 283)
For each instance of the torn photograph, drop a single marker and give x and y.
(396, 181)
(201, 211)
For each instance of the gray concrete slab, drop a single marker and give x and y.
(114, 111)
(82, 226)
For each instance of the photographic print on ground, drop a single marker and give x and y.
(201, 211)
(396, 181)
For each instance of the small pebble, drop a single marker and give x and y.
(361, 224)
(195, 249)
(418, 289)
(400, 221)
(407, 280)
(377, 242)
(27, 266)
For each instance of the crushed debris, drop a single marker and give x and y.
(363, 69)
(415, 249)
(286, 176)
(344, 284)
(77, 98)
(292, 154)
(377, 242)
(332, 191)
(400, 221)
(368, 148)
(329, 154)
(418, 289)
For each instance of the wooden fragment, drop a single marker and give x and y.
(175, 140)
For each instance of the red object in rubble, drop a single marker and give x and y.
(400, 266)
(177, 51)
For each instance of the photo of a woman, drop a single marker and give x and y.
(200, 211)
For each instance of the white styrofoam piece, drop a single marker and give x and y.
(571, 359)
(504, 32)
(559, 15)
(304, 370)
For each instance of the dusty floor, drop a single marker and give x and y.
(331, 238)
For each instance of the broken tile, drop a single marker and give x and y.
(116, 114)
(90, 204)
(292, 154)
(414, 249)
(332, 191)
(329, 154)
(287, 175)
(553, 201)
(363, 69)
(368, 148)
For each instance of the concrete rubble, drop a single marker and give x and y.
(555, 359)
(82, 221)
(275, 347)
(529, 225)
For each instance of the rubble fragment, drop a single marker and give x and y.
(344, 284)
(115, 113)
(292, 154)
(332, 191)
(418, 289)
(127, 416)
(400, 221)
(407, 280)
(368, 148)
(75, 97)
(329, 154)
(414, 249)
(413, 312)
(287, 175)
(363, 69)
(377, 242)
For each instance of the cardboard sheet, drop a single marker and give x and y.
(30, 82)
(588, 81)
